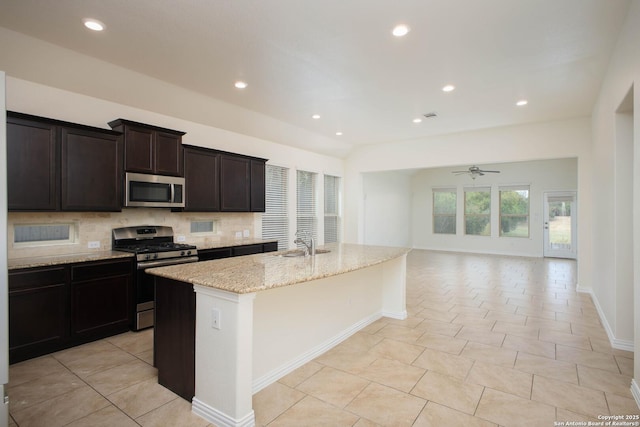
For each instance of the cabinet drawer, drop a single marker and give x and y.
(37, 278)
(209, 254)
(270, 247)
(100, 270)
(247, 250)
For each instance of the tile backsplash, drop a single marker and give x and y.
(97, 226)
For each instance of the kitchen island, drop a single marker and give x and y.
(233, 326)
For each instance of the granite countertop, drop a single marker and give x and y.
(46, 261)
(253, 273)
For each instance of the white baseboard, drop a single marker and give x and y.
(219, 418)
(274, 375)
(615, 342)
(635, 391)
(396, 315)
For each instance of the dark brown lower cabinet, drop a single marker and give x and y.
(38, 312)
(174, 337)
(52, 308)
(101, 295)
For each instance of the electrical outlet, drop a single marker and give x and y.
(181, 238)
(238, 234)
(245, 233)
(215, 318)
(94, 244)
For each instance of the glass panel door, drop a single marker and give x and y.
(560, 225)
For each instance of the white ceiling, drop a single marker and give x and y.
(337, 58)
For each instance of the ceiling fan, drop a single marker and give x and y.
(473, 172)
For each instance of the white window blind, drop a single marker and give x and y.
(275, 220)
(306, 207)
(331, 209)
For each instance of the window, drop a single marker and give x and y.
(477, 211)
(514, 211)
(331, 209)
(306, 207)
(275, 220)
(43, 234)
(444, 210)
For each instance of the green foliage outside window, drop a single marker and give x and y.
(444, 212)
(514, 213)
(477, 212)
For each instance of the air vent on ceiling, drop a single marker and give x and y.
(431, 115)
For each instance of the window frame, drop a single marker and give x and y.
(501, 215)
(332, 190)
(436, 216)
(275, 219)
(483, 189)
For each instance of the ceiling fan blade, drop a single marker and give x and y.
(490, 171)
(458, 172)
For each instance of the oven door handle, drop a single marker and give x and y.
(163, 262)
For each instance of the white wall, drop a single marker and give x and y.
(387, 209)
(540, 175)
(610, 178)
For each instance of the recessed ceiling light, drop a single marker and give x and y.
(240, 84)
(522, 102)
(338, 133)
(315, 116)
(94, 24)
(448, 88)
(417, 120)
(400, 30)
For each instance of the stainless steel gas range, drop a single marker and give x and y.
(154, 247)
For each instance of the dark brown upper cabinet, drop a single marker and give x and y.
(54, 165)
(235, 183)
(202, 179)
(91, 175)
(32, 164)
(150, 149)
(258, 185)
(222, 181)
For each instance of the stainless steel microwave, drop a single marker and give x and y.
(153, 191)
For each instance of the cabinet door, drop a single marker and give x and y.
(91, 171)
(138, 151)
(202, 186)
(32, 165)
(38, 312)
(168, 154)
(258, 186)
(234, 183)
(101, 298)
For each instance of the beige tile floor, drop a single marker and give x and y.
(490, 341)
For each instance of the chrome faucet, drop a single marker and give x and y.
(310, 249)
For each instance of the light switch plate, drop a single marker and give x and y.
(181, 238)
(215, 318)
(245, 233)
(94, 244)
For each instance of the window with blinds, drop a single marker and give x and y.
(306, 206)
(275, 220)
(331, 209)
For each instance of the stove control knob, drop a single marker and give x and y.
(155, 256)
(147, 256)
(182, 253)
(188, 252)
